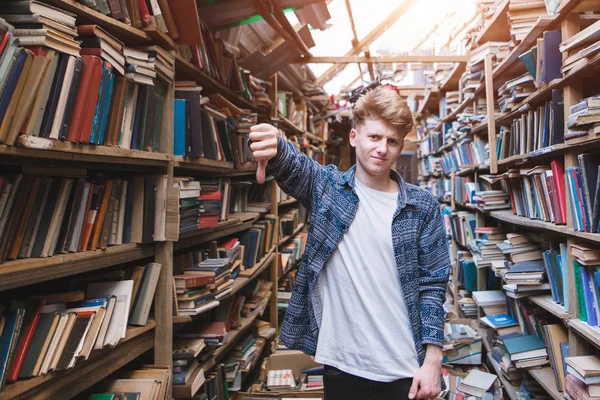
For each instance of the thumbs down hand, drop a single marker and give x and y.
(264, 147)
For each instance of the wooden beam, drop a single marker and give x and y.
(267, 10)
(351, 18)
(368, 39)
(383, 59)
(370, 66)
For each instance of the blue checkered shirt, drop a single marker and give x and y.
(418, 234)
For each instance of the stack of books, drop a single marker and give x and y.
(37, 24)
(53, 332)
(477, 383)
(189, 203)
(489, 200)
(163, 63)
(211, 203)
(139, 65)
(527, 351)
(95, 41)
(194, 295)
(257, 296)
(523, 15)
(514, 91)
(584, 118)
(281, 380)
(580, 48)
(46, 215)
(583, 377)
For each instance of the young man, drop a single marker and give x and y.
(368, 299)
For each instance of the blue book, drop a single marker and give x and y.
(11, 83)
(546, 134)
(583, 200)
(564, 353)
(588, 295)
(98, 114)
(556, 264)
(106, 106)
(501, 320)
(140, 110)
(8, 340)
(470, 273)
(180, 124)
(100, 301)
(565, 271)
(547, 255)
(528, 59)
(572, 174)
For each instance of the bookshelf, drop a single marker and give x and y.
(152, 342)
(574, 86)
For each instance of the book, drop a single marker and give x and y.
(525, 347)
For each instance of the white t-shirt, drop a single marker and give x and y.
(365, 329)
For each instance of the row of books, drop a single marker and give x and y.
(52, 332)
(210, 127)
(439, 187)
(45, 215)
(534, 131)
(152, 382)
(104, 94)
(468, 151)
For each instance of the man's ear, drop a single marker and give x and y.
(353, 134)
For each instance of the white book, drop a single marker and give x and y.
(139, 315)
(201, 309)
(129, 117)
(62, 100)
(160, 216)
(117, 328)
(489, 297)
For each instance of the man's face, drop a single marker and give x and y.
(377, 144)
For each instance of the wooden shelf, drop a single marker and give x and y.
(238, 284)
(50, 149)
(432, 99)
(546, 302)
(313, 137)
(497, 29)
(451, 82)
(33, 270)
(69, 383)
(452, 116)
(545, 377)
(583, 329)
(288, 125)
(209, 84)
(287, 202)
(286, 238)
(201, 164)
(127, 33)
(480, 129)
(225, 228)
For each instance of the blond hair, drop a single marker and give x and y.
(385, 104)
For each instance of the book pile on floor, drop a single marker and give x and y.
(53, 332)
(152, 382)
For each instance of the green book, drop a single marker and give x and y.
(579, 287)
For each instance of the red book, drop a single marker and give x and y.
(216, 195)
(34, 311)
(554, 200)
(558, 172)
(87, 94)
(144, 13)
(4, 41)
(193, 280)
(38, 50)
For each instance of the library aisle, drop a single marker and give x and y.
(141, 259)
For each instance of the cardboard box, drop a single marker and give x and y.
(290, 359)
(278, 395)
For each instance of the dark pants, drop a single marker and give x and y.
(340, 385)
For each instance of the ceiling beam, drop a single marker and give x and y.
(368, 39)
(383, 59)
(271, 14)
(355, 39)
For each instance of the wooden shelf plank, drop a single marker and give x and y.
(33, 270)
(583, 329)
(69, 383)
(497, 29)
(224, 228)
(549, 305)
(545, 377)
(211, 85)
(286, 238)
(451, 82)
(28, 147)
(234, 336)
(313, 137)
(452, 116)
(127, 33)
(287, 202)
(201, 164)
(288, 125)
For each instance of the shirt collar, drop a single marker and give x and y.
(403, 189)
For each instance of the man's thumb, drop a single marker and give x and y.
(260, 172)
(414, 388)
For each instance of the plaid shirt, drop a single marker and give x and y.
(420, 247)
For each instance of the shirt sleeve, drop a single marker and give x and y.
(294, 171)
(434, 268)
